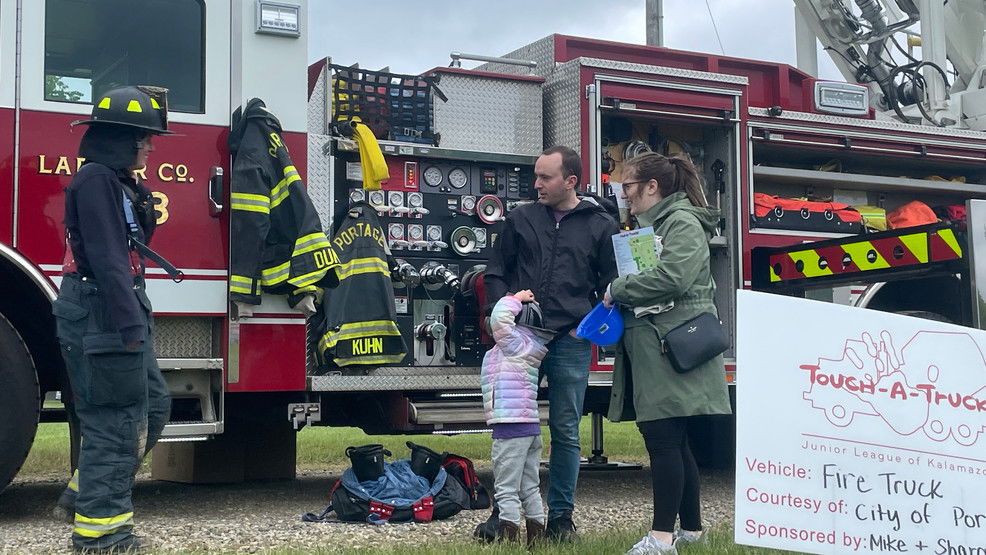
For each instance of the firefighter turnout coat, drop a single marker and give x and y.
(358, 324)
(277, 242)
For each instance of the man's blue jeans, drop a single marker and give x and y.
(567, 367)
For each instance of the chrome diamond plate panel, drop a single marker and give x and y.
(659, 70)
(320, 178)
(541, 51)
(880, 124)
(485, 114)
(394, 378)
(318, 105)
(185, 336)
(562, 97)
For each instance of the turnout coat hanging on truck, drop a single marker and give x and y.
(358, 316)
(279, 246)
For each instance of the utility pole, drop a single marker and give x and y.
(655, 22)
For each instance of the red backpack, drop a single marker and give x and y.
(461, 469)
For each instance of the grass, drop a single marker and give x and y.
(720, 543)
(320, 448)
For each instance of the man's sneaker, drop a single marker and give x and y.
(650, 545)
(129, 544)
(560, 528)
(65, 506)
(685, 537)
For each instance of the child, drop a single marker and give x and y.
(510, 387)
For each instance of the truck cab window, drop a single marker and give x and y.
(92, 46)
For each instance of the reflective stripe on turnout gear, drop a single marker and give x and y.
(310, 242)
(281, 190)
(276, 274)
(242, 284)
(73, 482)
(362, 266)
(250, 202)
(99, 527)
(353, 330)
(380, 359)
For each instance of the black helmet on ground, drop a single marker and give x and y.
(143, 107)
(530, 317)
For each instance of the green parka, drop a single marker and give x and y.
(645, 385)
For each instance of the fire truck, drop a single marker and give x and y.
(460, 147)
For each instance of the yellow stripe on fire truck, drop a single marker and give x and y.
(362, 266)
(250, 202)
(353, 330)
(282, 189)
(879, 253)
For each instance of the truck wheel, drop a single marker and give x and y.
(20, 402)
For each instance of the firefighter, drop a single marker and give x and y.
(103, 316)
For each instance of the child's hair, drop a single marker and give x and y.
(673, 173)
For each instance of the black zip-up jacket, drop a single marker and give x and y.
(567, 264)
(98, 234)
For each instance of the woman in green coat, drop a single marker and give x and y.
(666, 193)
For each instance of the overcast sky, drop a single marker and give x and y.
(414, 36)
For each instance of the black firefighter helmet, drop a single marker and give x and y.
(144, 107)
(530, 317)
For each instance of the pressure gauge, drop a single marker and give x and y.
(415, 232)
(433, 176)
(434, 233)
(376, 198)
(396, 198)
(468, 203)
(356, 195)
(458, 178)
(395, 231)
(415, 200)
(480, 236)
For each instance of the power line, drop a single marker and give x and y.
(714, 27)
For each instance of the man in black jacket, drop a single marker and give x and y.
(560, 248)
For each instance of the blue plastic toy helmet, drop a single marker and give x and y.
(603, 326)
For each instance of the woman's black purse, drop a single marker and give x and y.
(695, 342)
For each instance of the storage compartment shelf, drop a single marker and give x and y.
(794, 176)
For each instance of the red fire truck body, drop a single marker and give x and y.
(750, 126)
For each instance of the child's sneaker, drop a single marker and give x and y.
(686, 537)
(649, 545)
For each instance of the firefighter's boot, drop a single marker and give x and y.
(486, 531)
(131, 544)
(64, 510)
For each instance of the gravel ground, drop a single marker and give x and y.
(258, 516)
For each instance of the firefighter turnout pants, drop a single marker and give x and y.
(122, 403)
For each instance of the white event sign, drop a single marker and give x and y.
(857, 430)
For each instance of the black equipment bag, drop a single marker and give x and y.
(695, 342)
(462, 490)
